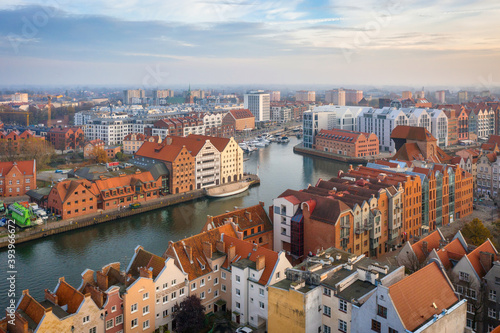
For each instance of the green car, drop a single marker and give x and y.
(135, 205)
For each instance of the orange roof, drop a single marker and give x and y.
(218, 142)
(496, 330)
(245, 218)
(143, 258)
(199, 265)
(341, 135)
(250, 251)
(66, 188)
(134, 137)
(68, 295)
(414, 297)
(474, 257)
(432, 243)
(454, 250)
(412, 133)
(159, 151)
(241, 114)
(124, 181)
(193, 145)
(28, 168)
(31, 307)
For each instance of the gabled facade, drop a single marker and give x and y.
(17, 178)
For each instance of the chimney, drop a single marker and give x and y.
(144, 272)
(88, 276)
(231, 252)
(189, 252)
(168, 140)
(51, 297)
(255, 246)
(486, 260)
(260, 263)
(207, 250)
(424, 247)
(261, 203)
(219, 245)
(248, 215)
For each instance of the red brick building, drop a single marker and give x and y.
(112, 151)
(178, 160)
(16, 178)
(72, 198)
(239, 119)
(12, 140)
(66, 138)
(348, 143)
(88, 150)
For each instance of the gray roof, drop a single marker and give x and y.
(38, 194)
(157, 168)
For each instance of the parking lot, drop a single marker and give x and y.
(52, 175)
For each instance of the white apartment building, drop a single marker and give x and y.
(110, 131)
(329, 117)
(439, 126)
(281, 114)
(258, 102)
(381, 122)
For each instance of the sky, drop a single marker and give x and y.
(160, 43)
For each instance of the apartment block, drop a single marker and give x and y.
(305, 96)
(17, 178)
(66, 138)
(347, 143)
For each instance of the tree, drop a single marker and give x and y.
(99, 155)
(189, 315)
(475, 232)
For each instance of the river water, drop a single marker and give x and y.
(40, 263)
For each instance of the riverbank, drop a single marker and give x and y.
(57, 227)
(299, 149)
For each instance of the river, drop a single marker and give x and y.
(40, 263)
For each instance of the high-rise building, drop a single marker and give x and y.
(336, 96)
(420, 93)
(133, 96)
(462, 97)
(275, 96)
(305, 96)
(441, 96)
(353, 96)
(406, 95)
(20, 97)
(166, 93)
(258, 102)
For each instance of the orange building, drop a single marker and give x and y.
(178, 160)
(240, 119)
(112, 151)
(66, 138)
(88, 150)
(252, 221)
(72, 198)
(348, 143)
(17, 178)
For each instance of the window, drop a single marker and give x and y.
(134, 323)
(327, 329)
(392, 330)
(216, 268)
(145, 296)
(261, 305)
(202, 283)
(193, 286)
(382, 311)
(181, 292)
(165, 285)
(216, 293)
(237, 278)
(238, 293)
(278, 276)
(342, 326)
(327, 292)
(93, 330)
(223, 275)
(145, 325)
(492, 295)
(202, 295)
(375, 326)
(492, 313)
(113, 308)
(223, 287)
(342, 305)
(109, 324)
(216, 281)
(463, 276)
(119, 320)
(237, 305)
(165, 299)
(86, 319)
(145, 310)
(174, 282)
(327, 311)
(133, 308)
(472, 293)
(174, 295)
(261, 291)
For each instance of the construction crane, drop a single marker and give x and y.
(49, 107)
(19, 112)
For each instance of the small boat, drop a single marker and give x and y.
(284, 139)
(227, 190)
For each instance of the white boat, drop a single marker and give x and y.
(227, 190)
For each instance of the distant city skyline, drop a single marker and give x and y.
(244, 42)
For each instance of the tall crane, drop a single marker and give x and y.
(49, 107)
(19, 112)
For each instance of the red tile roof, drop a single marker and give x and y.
(241, 114)
(341, 135)
(28, 168)
(292, 199)
(494, 139)
(433, 241)
(474, 256)
(66, 188)
(193, 145)
(453, 250)
(245, 218)
(159, 151)
(412, 133)
(218, 142)
(417, 301)
(247, 250)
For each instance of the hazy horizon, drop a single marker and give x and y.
(148, 44)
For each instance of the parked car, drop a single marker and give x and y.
(244, 330)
